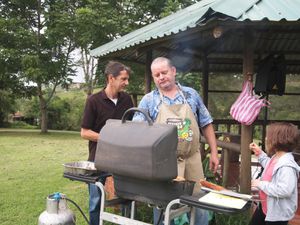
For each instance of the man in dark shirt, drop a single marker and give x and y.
(110, 103)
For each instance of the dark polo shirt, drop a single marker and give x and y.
(98, 109)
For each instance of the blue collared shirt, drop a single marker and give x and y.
(151, 102)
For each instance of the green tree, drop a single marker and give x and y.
(99, 22)
(11, 86)
(41, 34)
(43, 39)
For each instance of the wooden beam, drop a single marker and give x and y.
(205, 71)
(148, 72)
(224, 144)
(257, 122)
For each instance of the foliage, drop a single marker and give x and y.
(174, 5)
(58, 114)
(21, 125)
(284, 106)
(144, 212)
(39, 44)
(11, 86)
(236, 219)
(219, 103)
(29, 107)
(98, 22)
(6, 99)
(136, 80)
(190, 79)
(65, 114)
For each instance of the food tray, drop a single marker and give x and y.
(194, 201)
(80, 168)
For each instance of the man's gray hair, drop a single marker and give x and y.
(162, 59)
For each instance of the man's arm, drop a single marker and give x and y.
(89, 135)
(209, 134)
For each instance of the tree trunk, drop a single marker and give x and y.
(89, 88)
(88, 65)
(2, 116)
(43, 110)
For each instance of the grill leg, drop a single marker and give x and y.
(114, 218)
(132, 214)
(102, 206)
(171, 214)
(192, 217)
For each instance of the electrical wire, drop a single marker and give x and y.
(77, 206)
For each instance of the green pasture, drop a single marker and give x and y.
(31, 169)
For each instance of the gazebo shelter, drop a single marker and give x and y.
(217, 36)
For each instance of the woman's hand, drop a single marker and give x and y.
(255, 183)
(254, 147)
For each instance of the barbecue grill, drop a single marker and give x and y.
(142, 158)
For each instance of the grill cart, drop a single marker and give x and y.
(141, 156)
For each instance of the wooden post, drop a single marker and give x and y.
(134, 99)
(246, 131)
(148, 72)
(264, 130)
(205, 68)
(230, 161)
(205, 92)
(225, 167)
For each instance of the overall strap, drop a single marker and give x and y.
(179, 91)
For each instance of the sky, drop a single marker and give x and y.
(79, 71)
(79, 78)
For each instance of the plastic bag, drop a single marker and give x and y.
(247, 106)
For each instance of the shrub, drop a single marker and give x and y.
(21, 125)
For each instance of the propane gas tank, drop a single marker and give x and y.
(57, 211)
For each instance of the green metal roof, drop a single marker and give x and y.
(199, 14)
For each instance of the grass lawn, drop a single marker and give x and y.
(31, 169)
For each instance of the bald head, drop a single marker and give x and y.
(163, 73)
(161, 60)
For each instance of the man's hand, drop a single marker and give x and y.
(89, 135)
(213, 163)
(209, 134)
